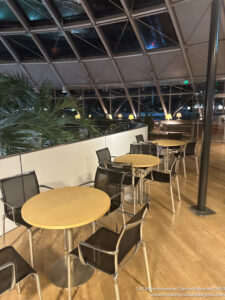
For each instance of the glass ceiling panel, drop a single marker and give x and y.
(87, 42)
(4, 54)
(36, 12)
(104, 8)
(56, 45)
(24, 47)
(71, 11)
(121, 37)
(157, 31)
(140, 4)
(7, 18)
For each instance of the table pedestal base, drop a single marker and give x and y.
(79, 273)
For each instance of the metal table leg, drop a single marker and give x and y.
(58, 272)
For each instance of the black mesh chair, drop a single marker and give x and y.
(190, 150)
(140, 138)
(106, 250)
(13, 269)
(143, 148)
(129, 179)
(103, 156)
(167, 177)
(16, 191)
(110, 182)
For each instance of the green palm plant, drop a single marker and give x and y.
(31, 119)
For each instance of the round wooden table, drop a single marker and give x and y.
(139, 161)
(166, 143)
(66, 208)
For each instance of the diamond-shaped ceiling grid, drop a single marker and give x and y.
(24, 47)
(7, 18)
(103, 8)
(56, 45)
(35, 12)
(121, 37)
(71, 11)
(157, 31)
(88, 42)
(141, 4)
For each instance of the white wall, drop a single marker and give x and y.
(67, 165)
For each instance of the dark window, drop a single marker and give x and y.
(71, 11)
(139, 4)
(7, 18)
(87, 42)
(35, 12)
(56, 45)
(4, 54)
(104, 8)
(93, 108)
(24, 46)
(157, 31)
(121, 37)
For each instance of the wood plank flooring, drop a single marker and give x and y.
(184, 251)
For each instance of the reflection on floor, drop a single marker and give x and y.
(184, 251)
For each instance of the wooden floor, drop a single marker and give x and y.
(184, 251)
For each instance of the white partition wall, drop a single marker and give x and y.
(67, 165)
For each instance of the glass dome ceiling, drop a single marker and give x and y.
(95, 44)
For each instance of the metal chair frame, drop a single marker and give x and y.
(13, 208)
(13, 278)
(184, 158)
(175, 165)
(115, 254)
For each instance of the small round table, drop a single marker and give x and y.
(66, 208)
(139, 161)
(166, 143)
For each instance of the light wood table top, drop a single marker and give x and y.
(139, 160)
(169, 143)
(66, 207)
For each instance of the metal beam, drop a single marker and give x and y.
(144, 51)
(35, 39)
(52, 11)
(15, 56)
(210, 88)
(180, 39)
(109, 52)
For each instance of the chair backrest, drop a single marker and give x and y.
(190, 148)
(110, 181)
(103, 156)
(131, 234)
(126, 168)
(16, 190)
(139, 138)
(175, 136)
(144, 148)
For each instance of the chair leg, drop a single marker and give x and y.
(124, 219)
(38, 286)
(184, 167)
(134, 196)
(196, 161)
(172, 199)
(31, 247)
(3, 230)
(93, 227)
(116, 287)
(18, 287)
(178, 188)
(69, 276)
(147, 267)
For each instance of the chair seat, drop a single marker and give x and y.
(158, 176)
(18, 217)
(104, 239)
(23, 269)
